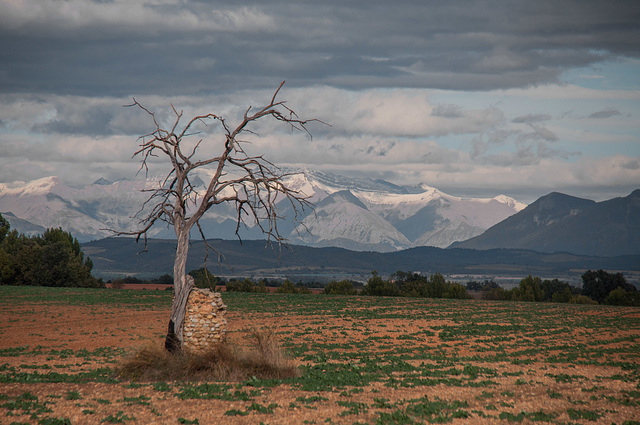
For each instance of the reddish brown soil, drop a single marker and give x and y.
(85, 327)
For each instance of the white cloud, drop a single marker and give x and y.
(567, 92)
(399, 112)
(406, 136)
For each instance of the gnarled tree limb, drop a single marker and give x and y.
(252, 184)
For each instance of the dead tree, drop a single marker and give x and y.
(251, 183)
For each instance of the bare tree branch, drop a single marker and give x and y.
(252, 184)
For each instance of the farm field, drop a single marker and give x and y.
(363, 360)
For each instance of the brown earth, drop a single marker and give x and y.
(48, 330)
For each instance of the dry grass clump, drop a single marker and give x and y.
(265, 359)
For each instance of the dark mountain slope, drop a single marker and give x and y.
(562, 223)
(115, 256)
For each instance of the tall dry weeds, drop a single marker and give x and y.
(264, 358)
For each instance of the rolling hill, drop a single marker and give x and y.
(121, 256)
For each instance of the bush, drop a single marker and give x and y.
(288, 287)
(557, 291)
(261, 287)
(165, 279)
(598, 284)
(344, 287)
(497, 294)
(245, 285)
(484, 286)
(581, 299)
(458, 291)
(528, 290)
(301, 289)
(117, 284)
(563, 296)
(204, 278)
(377, 286)
(436, 286)
(621, 297)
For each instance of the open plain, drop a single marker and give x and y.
(363, 360)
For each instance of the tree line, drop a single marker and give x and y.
(402, 284)
(51, 259)
(598, 287)
(56, 259)
(203, 278)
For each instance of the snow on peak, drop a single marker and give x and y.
(516, 205)
(362, 211)
(426, 187)
(41, 186)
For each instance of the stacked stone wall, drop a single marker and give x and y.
(205, 325)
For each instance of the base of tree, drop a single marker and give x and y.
(265, 359)
(171, 341)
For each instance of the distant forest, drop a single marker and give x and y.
(52, 259)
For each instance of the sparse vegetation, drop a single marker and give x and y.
(265, 360)
(357, 360)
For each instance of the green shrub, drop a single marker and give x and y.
(287, 287)
(581, 299)
(621, 297)
(529, 289)
(599, 284)
(377, 286)
(344, 287)
(204, 278)
(457, 291)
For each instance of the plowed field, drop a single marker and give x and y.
(363, 360)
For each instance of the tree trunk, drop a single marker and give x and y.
(182, 286)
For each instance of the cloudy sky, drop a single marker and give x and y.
(476, 98)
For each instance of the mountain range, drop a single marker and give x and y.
(354, 213)
(358, 214)
(558, 222)
(256, 259)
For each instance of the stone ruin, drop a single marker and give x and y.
(204, 324)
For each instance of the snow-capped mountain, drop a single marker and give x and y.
(88, 213)
(359, 214)
(381, 216)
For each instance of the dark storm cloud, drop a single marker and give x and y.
(447, 111)
(531, 118)
(93, 121)
(119, 48)
(632, 164)
(605, 113)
